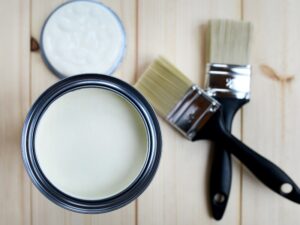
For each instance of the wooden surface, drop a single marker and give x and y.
(173, 28)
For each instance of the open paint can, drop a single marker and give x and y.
(91, 143)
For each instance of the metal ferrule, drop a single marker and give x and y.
(192, 112)
(226, 80)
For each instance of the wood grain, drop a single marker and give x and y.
(271, 118)
(14, 103)
(175, 29)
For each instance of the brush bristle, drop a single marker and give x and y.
(228, 41)
(163, 85)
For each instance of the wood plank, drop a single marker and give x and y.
(43, 211)
(174, 28)
(271, 119)
(14, 103)
(178, 194)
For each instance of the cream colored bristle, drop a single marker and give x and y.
(228, 41)
(163, 85)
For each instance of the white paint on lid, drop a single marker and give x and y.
(91, 143)
(83, 37)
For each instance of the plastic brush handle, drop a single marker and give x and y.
(266, 171)
(221, 168)
(220, 181)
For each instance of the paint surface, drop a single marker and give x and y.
(91, 143)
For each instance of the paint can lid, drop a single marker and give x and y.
(81, 37)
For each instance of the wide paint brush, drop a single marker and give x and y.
(196, 115)
(228, 81)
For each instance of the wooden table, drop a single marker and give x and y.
(173, 28)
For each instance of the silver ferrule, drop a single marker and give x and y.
(192, 112)
(226, 80)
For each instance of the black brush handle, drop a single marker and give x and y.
(266, 171)
(221, 168)
(220, 181)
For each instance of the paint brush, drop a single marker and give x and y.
(228, 81)
(196, 115)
